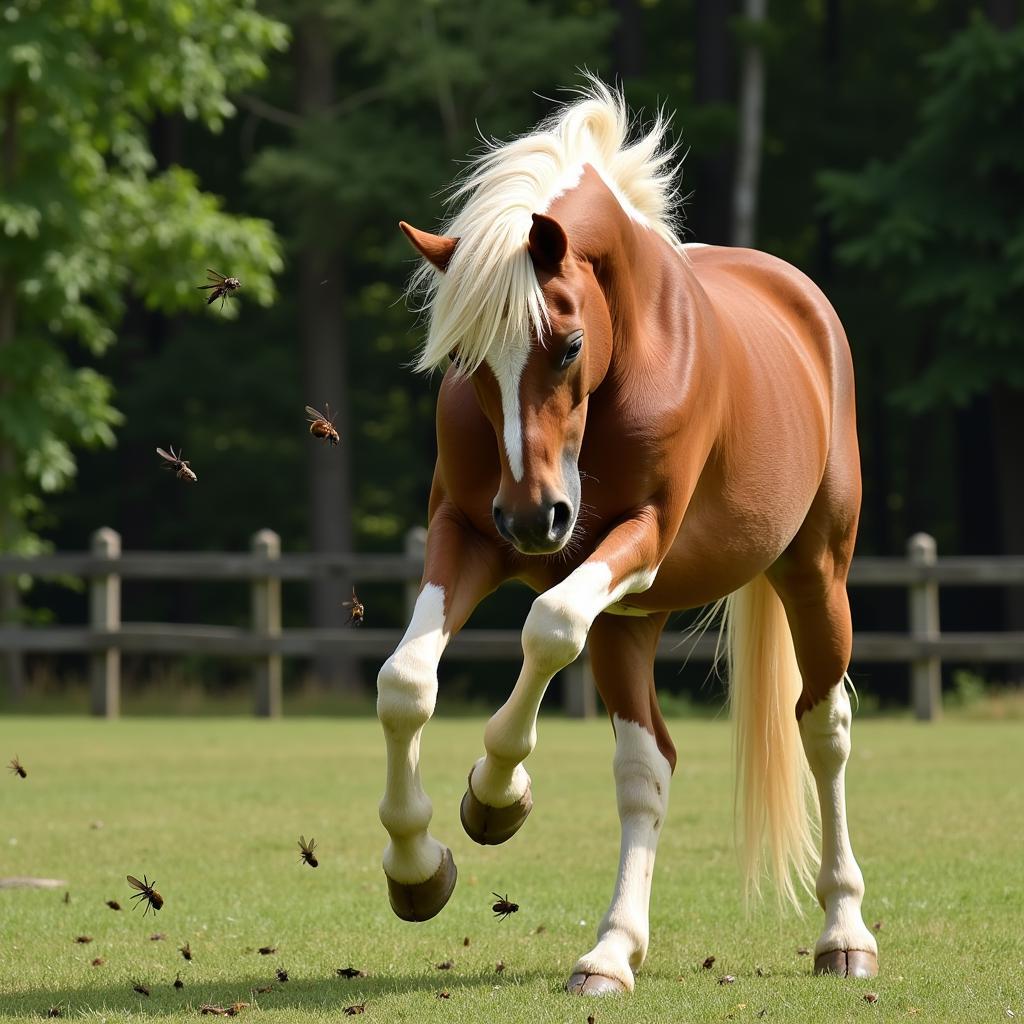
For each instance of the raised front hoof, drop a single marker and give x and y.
(491, 826)
(423, 900)
(594, 985)
(847, 963)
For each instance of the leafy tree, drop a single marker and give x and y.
(86, 224)
(944, 220)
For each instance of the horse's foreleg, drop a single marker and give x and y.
(498, 798)
(459, 571)
(622, 652)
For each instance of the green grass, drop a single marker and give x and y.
(213, 809)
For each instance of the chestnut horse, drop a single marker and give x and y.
(632, 426)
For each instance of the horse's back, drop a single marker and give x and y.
(746, 285)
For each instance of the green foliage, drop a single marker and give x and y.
(86, 222)
(943, 222)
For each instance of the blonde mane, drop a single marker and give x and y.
(489, 296)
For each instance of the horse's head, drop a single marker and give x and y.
(534, 385)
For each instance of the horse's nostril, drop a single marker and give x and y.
(561, 515)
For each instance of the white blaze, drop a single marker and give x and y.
(507, 367)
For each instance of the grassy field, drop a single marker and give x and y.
(213, 808)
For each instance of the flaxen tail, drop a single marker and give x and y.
(776, 825)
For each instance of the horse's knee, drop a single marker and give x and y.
(406, 693)
(554, 634)
(642, 773)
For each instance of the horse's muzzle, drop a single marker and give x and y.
(537, 530)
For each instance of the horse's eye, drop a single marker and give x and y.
(573, 348)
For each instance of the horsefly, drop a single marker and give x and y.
(282, 974)
(185, 951)
(321, 424)
(266, 950)
(143, 990)
(113, 904)
(222, 287)
(354, 1010)
(357, 610)
(503, 907)
(350, 972)
(146, 892)
(178, 983)
(183, 470)
(308, 857)
(17, 768)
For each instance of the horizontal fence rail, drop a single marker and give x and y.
(106, 637)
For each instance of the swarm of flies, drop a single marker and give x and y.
(17, 768)
(356, 609)
(180, 465)
(308, 857)
(321, 424)
(503, 907)
(220, 287)
(146, 893)
(185, 951)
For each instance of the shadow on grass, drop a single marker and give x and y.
(297, 994)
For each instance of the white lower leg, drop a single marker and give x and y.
(554, 634)
(825, 731)
(642, 776)
(406, 694)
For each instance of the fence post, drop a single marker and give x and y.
(105, 616)
(266, 621)
(579, 699)
(415, 547)
(925, 673)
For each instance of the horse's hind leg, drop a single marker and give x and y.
(622, 653)
(811, 581)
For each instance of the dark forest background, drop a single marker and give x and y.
(892, 164)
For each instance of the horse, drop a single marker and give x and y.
(632, 426)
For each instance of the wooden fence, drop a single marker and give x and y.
(106, 636)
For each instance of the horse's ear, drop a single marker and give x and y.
(436, 249)
(548, 243)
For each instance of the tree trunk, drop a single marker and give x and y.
(322, 291)
(713, 85)
(751, 125)
(12, 665)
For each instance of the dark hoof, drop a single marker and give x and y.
(847, 963)
(490, 826)
(594, 985)
(424, 900)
